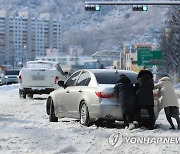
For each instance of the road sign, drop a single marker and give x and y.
(144, 48)
(149, 58)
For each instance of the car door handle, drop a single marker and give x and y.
(67, 91)
(80, 91)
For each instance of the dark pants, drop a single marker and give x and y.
(151, 120)
(172, 111)
(128, 118)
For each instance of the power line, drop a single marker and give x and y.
(133, 3)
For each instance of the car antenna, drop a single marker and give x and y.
(116, 71)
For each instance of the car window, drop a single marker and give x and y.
(111, 78)
(12, 73)
(39, 65)
(71, 81)
(84, 79)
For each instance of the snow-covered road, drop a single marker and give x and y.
(25, 128)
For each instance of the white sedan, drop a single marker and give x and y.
(39, 77)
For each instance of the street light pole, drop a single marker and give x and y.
(24, 54)
(13, 59)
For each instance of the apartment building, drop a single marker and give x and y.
(24, 37)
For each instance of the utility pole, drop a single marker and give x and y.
(25, 54)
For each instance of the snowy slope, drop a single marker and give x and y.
(24, 128)
(106, 29)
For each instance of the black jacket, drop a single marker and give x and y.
(144, 90)
(125, 93)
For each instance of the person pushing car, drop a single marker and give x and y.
(125, 93)
(145, 99)
(168, 100)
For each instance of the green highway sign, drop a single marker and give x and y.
(147, 57)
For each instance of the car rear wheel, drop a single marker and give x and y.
(30, 95)
(84, 115)
(52, 116)
(22, 94)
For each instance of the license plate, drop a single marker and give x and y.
(38, 77)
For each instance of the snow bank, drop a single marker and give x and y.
(8, 87)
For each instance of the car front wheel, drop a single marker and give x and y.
(52, 116)
(84, 115)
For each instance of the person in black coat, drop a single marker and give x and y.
(145, 100)
(125, 93)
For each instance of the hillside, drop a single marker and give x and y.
(107, 29)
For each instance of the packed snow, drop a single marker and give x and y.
(25, 128)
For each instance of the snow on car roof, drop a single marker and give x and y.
(40, 64)
(41, 61)
(109, 71)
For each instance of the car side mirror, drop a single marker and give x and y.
(66, 74)
(61, 83)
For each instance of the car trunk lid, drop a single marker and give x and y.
(106, 92)
(38, 77)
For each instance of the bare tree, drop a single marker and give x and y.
(170, 42)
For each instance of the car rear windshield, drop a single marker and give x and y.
(111, 78)
(39, 65)
(12, 73)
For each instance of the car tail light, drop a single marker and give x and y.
(20, 79)
(155, 94)
(52, 89)
(56, 79)
(103, 95)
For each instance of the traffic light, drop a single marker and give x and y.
(145, 8)
(140, 8)
(91, 7)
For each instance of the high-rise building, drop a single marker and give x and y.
(23, 37)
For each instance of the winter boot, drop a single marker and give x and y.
(172, 127)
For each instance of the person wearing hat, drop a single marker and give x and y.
(168, 100)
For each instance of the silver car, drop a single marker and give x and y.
(88, 95)
(11, 76)
(2, 79)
